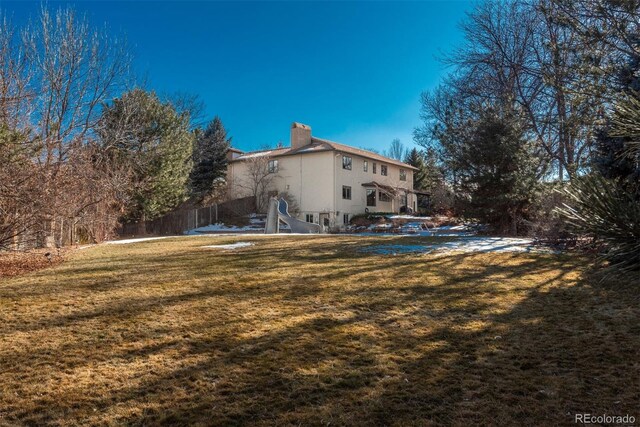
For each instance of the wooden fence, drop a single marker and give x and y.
(179, 221)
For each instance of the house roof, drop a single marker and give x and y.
(319, 145)
(392, 191)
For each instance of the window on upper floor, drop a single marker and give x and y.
(403, 175)
(366, 166)
(373, 167)
(273, 166)
(346, 192)
(383, 170)
(346, 162)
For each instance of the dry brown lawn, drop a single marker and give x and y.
(310, 331)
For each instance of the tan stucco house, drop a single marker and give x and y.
(330, 182)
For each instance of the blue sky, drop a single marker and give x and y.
(352, 71)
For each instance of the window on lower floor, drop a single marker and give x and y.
(346, 192)
(403, 200)
(309, 218)
(371, 197)
(384, 197)
(345, 219)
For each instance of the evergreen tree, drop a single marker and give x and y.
(210, 158)
(495, 166)
(605, 205)
(415, 159)
(613, 158)
(156, 143)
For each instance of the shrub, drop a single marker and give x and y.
(609, 214)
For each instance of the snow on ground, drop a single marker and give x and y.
(425, 218)
(464, 244)
(220, 227)
(230, 246)
(136, 240)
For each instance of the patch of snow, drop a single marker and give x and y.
(230, 246)
(489, 244)
(466, 244)
(426, 218)
(220, 227)
(139, 239)
(453, 227)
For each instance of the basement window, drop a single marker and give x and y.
(346, 162)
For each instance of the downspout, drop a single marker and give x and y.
(335, 190)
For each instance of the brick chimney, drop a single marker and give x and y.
(300, 135)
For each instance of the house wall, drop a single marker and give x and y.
(315, 181)
(355, 177)
(307, 178)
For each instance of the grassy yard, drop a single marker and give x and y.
(309, 330)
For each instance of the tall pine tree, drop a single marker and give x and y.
(415, 159)
(210, 158)
(613, 158)
(495, 166)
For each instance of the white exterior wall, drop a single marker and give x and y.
(355, 177)
(315, 180)
(308, 178)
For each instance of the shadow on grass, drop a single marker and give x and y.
(315, 333)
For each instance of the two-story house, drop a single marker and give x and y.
(329, 181)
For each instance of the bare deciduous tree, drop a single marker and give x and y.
(55, 75)
(258, 180)
(520, 52)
